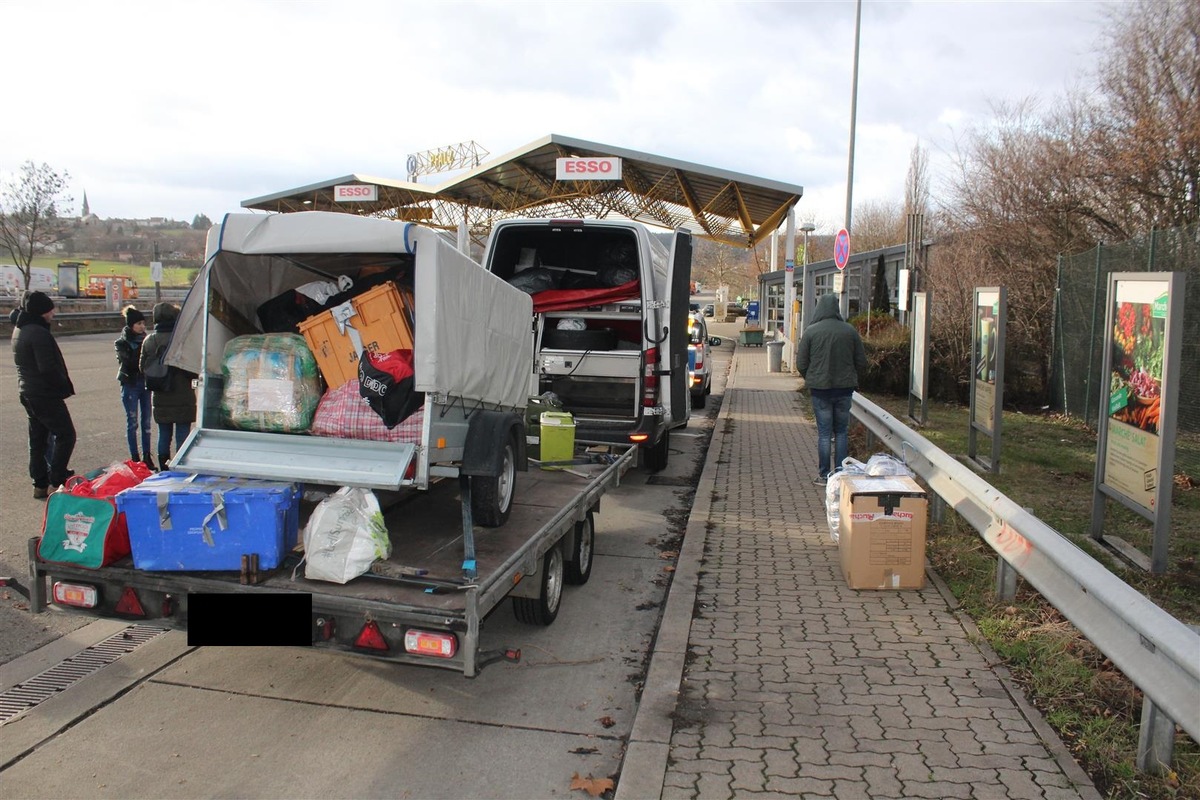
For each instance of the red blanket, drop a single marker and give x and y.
(567, 299)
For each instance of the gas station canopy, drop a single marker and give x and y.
(724, 206)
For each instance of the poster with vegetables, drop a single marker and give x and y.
(1135, 388)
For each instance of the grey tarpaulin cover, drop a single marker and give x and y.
(472, 336)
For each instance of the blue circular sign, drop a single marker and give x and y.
(841, 249)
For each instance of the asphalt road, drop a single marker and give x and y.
(207, 722)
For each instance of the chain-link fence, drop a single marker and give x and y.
(1080, 388)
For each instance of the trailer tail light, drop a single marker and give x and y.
(650, 378)
(371, 638)
(129, 605)
(428, 643)
(80, 595)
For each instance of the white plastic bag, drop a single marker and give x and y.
(833, 492)
(887, 464)
(344, 536)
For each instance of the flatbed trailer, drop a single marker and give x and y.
(419, 593)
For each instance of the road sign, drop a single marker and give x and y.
(841, 249)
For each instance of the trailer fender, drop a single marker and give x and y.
(486, 435)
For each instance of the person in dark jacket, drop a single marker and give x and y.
(135, 397)
(175, 407)
(830, 356)
(44, 385)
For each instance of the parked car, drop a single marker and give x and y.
(709, 310)
(736, 310)
(699, 362)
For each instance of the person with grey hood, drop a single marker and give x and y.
(174, 408)
(44, 385)
(830, 357)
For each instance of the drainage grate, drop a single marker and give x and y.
(665, 480)
(62, 676)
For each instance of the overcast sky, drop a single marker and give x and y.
(177, 108)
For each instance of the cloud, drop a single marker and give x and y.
(193, 107)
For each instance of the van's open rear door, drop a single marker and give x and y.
(677, 401)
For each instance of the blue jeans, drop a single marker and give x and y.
(166, 431)
(136, 399)
(833, 423)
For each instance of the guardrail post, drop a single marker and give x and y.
(1156, 740)
(937, 508)
(1006, 580)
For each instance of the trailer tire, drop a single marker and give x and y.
(492, 495)
(579, 565)
(542, 610)
(656, 455)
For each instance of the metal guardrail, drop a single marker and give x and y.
(1160, 654)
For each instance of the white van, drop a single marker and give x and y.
(610, 323)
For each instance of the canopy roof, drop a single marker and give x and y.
(725, 206)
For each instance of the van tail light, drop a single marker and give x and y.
(371, 638)
(429, 643)
(650, 378)
(638, 438)
(80, 595)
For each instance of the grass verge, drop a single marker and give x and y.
(1047, 463)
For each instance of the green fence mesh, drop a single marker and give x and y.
(1080, 387)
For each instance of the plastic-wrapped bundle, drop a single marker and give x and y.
(271, 383)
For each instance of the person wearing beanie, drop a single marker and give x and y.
(174, 407)
(43, 385)
(135, 397)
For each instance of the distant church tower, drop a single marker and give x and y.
(85, 206)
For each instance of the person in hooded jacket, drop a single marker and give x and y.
(175, 407)
(44, 385)
(135, 397)
(830, 357)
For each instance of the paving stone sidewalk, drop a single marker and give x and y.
(789, 684)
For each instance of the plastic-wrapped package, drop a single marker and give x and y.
(271, 383)
(878, 464)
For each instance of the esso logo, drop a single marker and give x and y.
(588, 169)
(351, 192)
(588, 165)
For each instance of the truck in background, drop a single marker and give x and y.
(101, 286)
(12, 280)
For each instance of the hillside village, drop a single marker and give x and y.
(133, 241)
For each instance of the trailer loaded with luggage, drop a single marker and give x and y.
(360, 460)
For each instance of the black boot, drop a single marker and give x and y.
(148, 463)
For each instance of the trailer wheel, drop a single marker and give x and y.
(543, 609)
(657, 454)
(492, 495)
(579, 565)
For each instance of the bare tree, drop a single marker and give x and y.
(877, 224)
(916, 182)
(1147, 127)
(29, 213)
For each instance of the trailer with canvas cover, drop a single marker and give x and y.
(465, 464)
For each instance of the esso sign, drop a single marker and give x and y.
(355, 193)
(588, 169)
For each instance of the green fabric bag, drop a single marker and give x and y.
(83, 531)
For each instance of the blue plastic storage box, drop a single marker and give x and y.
(179, 521)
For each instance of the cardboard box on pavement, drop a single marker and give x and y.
(881, 534)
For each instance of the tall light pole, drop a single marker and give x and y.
(845, 299)
(805, 280)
